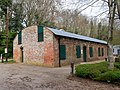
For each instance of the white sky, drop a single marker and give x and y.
(92, 11)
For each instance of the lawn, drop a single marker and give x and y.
(99, 72)
(9, 61)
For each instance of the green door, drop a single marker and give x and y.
(84, 53)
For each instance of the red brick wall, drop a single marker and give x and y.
(48, 48)
(71, 51)
(39, 53)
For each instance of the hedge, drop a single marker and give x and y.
(99, 72)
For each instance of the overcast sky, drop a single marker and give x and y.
(92, 11)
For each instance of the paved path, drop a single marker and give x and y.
(28, 77)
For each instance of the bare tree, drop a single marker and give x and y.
(118, 7)
(114, 10)
(38, 11)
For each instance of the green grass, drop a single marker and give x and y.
(99, 72)
(9, 61)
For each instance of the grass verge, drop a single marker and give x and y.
(9, 61)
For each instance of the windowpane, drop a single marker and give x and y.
(62, 52)
(40, 33)
(78, 51)
(20, 37)
(91, 51)
(98, 51)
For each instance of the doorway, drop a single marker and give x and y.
(21, 55)
(84, 54)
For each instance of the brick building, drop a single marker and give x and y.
(116, 50)
(51, 47)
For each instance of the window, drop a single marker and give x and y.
(98, 51)
(78, 51)
(102, 51)
(91, 51)
(20, 37)
(62, 52)
(113, 50)
(118, 51)
(40, 33)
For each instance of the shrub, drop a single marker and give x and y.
(91, 70)
(86, 71)
(99, 72)
(117, 65)
(110, 76)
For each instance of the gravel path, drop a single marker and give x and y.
(28, 77)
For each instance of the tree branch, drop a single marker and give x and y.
(101, 13)
(88, 6)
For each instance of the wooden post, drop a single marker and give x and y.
(72, 68)
(7, 35)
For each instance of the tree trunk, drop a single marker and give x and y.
(118, 7)
(110, 57)
(112, 7)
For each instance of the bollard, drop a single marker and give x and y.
(72, 68)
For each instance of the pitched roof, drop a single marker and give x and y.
(76, 36)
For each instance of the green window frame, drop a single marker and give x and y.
(98, 51)
(40, 33)
(78, 51)
(20, 37)
(91, 51)
(102, 51)
(62, 52)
